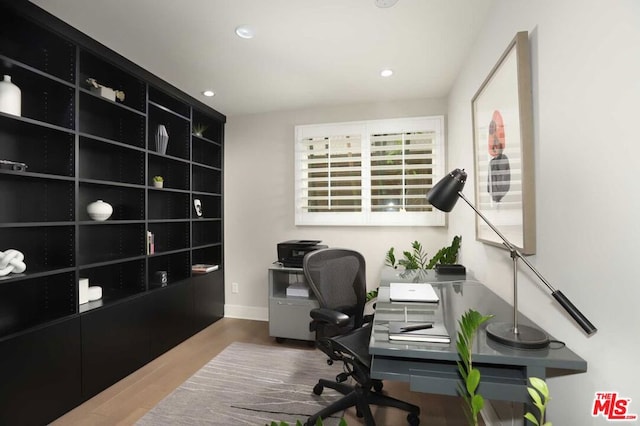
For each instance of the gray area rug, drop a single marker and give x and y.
(249, 384)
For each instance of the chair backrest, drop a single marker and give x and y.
(337, 277)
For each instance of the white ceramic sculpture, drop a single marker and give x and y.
(10, 97)
(99, 210)
(95, 293)
(162, 139)
(11, 261)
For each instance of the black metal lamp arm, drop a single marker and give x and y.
(571, 309)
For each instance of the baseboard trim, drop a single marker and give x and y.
(246, 312)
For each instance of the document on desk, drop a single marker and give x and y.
(412, 292)
(435, 332)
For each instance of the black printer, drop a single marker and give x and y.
(291, 253)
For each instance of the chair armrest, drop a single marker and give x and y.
(329, 316)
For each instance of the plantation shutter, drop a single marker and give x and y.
(332, 173)
(402, 170)
(368, 173)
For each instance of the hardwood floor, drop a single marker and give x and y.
(129, 399)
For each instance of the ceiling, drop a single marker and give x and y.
(305, 53)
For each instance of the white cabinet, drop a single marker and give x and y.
(289, 315)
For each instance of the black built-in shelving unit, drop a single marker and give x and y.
(80, 147)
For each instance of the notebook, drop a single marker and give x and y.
(412, 292)
(436, 334)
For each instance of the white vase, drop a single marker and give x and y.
(162, 139)
(10, 97)
(99, 210)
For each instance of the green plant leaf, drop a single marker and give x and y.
(477, 402)
(409, 261)
(468, 325)
(390, 258)
(532, 419)
(462, 370)
(372, 295)
(540, 385)
(473, 380)
(535, 396)
(418, 254)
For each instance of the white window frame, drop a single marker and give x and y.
(366, 128)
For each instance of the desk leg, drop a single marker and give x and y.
(540, 373)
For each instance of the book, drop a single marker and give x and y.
(202, 268)
(436, 333)
(412, 292)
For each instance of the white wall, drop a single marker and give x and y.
(259, 200)
(586, 91)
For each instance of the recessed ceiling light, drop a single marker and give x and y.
(209, 93)
(245, 32)
(385, 3)
(386, 73)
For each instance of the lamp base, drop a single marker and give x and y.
(526, 338)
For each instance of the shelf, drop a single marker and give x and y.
(118, 281)
(206, 180)
(168, 205)
(29, 303)
(170, 236)
(44, 99)
(80, 147)
(214, 128)
(107, 162)
(45, 248)
(40, 199)
(169, 103)
(43, 150)
(178, 128)
(111, 76)
(211, 255)
(206, 233)
(175, 172)
(32, 45)
(211, 207)
(176, 265)
(99, 117)
(112, 242)
(206, 153)
(127, 202)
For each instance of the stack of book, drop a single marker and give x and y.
(203, 268)
(298, 290)
(431, 332)
(151, 244)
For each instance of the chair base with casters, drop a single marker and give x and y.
(352, 350)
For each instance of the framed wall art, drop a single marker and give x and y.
(503, 150)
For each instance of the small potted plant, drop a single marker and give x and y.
(199, 129)
(158, 181)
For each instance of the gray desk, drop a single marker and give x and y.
(431, 367)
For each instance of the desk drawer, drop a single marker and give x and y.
(441, 377)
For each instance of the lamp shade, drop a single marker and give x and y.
(444, 194)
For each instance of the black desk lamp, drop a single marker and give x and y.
(444, 196)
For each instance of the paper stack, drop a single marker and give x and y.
(298, 290)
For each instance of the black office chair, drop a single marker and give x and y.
(337, 278)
